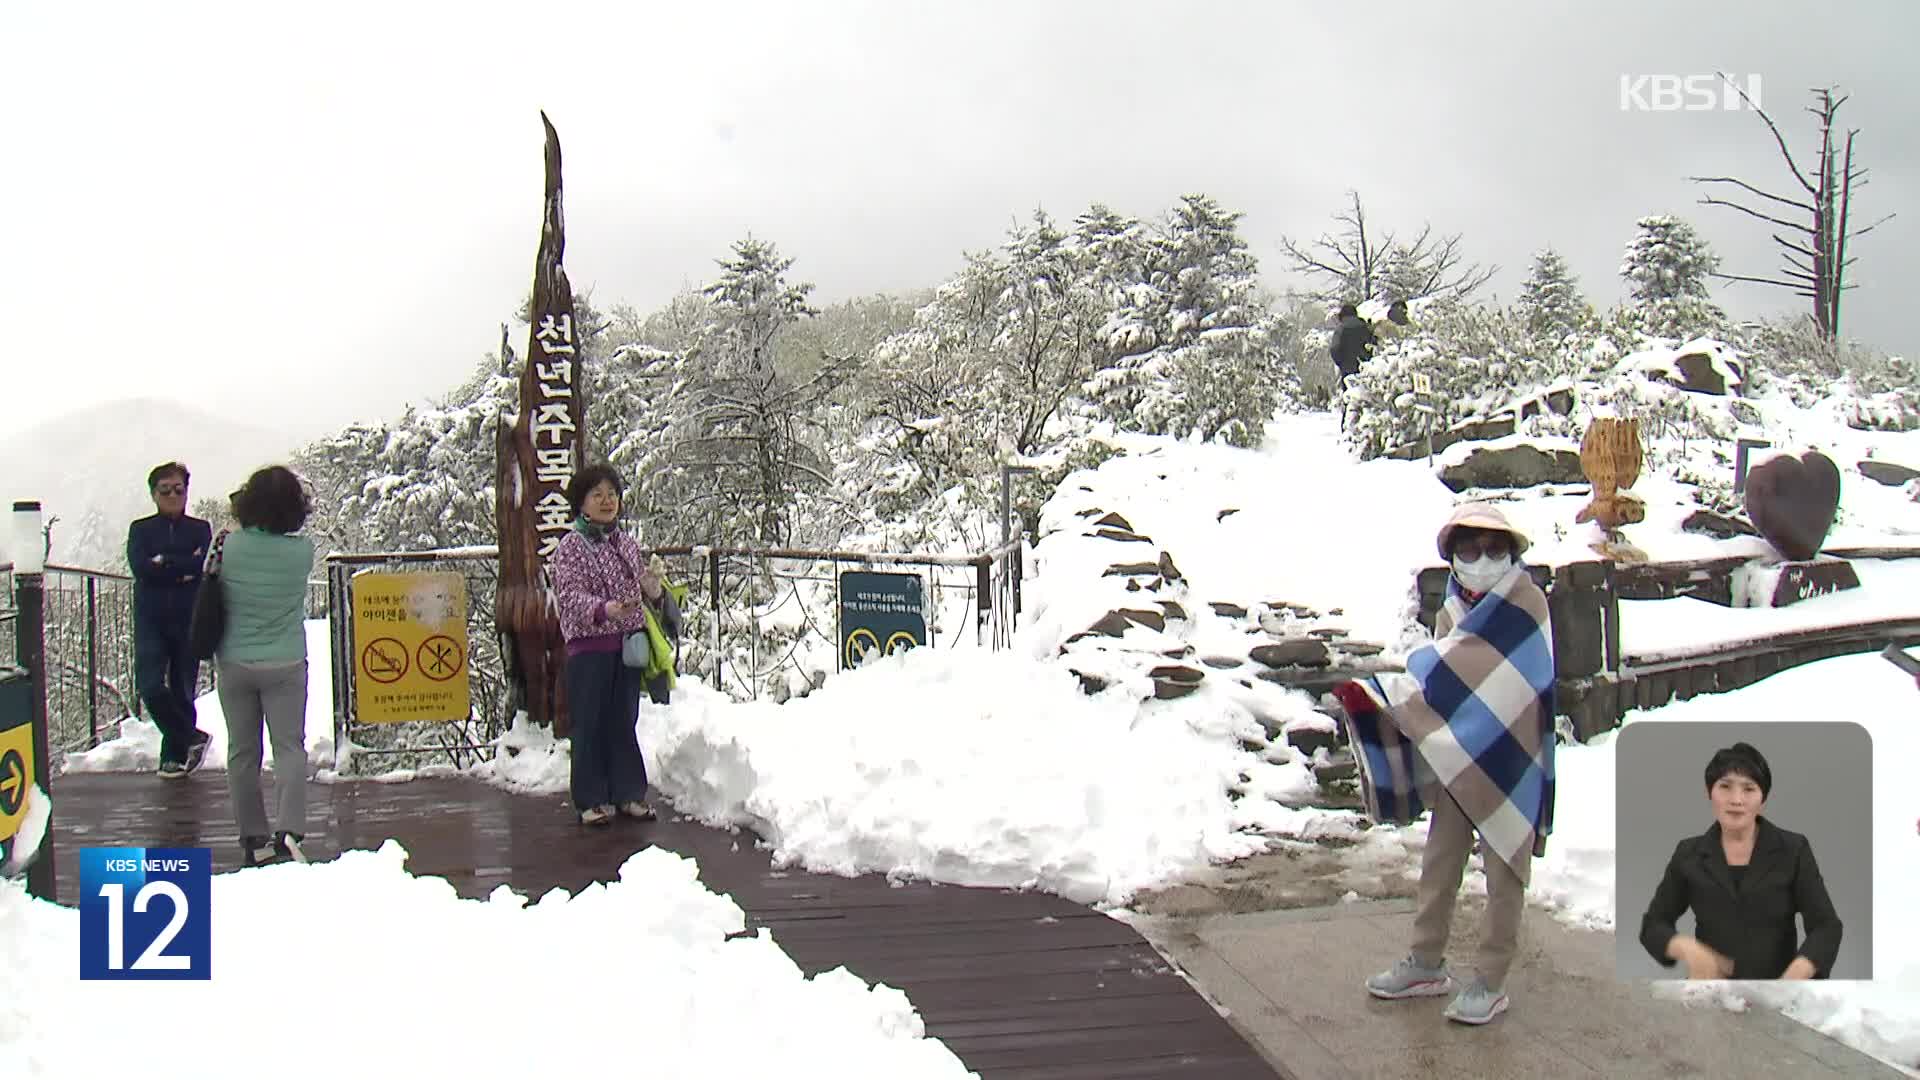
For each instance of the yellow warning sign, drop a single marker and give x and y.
(16, 774)
(410, 648)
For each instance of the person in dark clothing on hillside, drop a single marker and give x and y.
(1352, 342)
(1352, 345)
(167, 553)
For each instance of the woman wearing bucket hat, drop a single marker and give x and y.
(1467, 731)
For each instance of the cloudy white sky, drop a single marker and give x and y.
(304, 215)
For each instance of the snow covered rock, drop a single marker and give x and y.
(1702, 366)
(1719, 526)
(1886, 472)
(1300, 652)
(1481, 430)
(1511, 464)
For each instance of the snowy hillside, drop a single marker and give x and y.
(90, 468)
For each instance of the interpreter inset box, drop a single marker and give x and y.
(1743, 850)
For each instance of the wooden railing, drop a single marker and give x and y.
(1598, 682)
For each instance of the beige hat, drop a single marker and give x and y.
(1479, 515)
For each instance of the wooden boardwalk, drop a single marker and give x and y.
(1022, 986)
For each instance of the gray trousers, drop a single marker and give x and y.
(1449, 845)
(277, 695)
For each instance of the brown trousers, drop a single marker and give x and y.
(1449, 843)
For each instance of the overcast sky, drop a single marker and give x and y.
(307, 215)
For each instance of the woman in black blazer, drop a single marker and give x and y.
(1745, 879)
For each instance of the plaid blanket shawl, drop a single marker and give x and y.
(1472, 714)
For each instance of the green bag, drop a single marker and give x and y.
(661, 660)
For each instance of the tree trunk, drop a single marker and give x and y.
(537, 456)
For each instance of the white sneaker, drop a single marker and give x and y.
(596, 815)
(1409, 979)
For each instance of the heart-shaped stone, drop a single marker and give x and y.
(1792, 501)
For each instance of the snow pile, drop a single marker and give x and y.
(137, 747)
(966, 767)
(18, 850)
(1576, 876)
(642, 967)
(1296, 522)
(527, 758)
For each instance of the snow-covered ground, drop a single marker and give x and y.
(320, 970)
(1297, 521)
(963, 767)
(973, 767)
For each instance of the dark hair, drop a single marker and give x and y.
(161, 472)
(1743, 760)
(273, 499)
(1348, 309)
(591, 477)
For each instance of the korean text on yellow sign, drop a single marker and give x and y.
(410, 648)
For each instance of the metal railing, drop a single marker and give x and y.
(756, 617)
(753, 617)
(90, 653)
(763, 610)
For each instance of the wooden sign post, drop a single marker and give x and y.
(538, 452)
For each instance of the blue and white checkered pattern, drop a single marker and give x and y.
(1473, 714)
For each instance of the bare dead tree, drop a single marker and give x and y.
(1360, 264)
(1817, 259)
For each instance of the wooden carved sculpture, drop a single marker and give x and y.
(538, 450)
(1611, 456)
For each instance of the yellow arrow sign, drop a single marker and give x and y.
(16, 776)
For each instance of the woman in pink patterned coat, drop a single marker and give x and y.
(604, 585)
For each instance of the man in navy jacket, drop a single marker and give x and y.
(167, 553)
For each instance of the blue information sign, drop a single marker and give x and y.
(880, 614)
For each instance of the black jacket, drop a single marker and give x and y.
(163, 591)
(1753, 924)
(1352, 343)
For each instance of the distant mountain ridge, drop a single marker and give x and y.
(89, 469)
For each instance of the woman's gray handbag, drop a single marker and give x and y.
(636, 651)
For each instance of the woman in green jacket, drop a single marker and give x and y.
(262, 659)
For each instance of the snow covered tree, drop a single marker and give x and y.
(932, 417)
(1667, 266)
(433, 481)
(1190, 347)
(1479, 359)
(339, 467)
(1046, 316)
(1550, 299)
(745, 430)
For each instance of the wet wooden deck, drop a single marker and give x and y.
(1022, 986)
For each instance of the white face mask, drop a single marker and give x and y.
(1482, 573)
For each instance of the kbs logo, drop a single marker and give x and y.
(144, 914)
(1687, 93)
